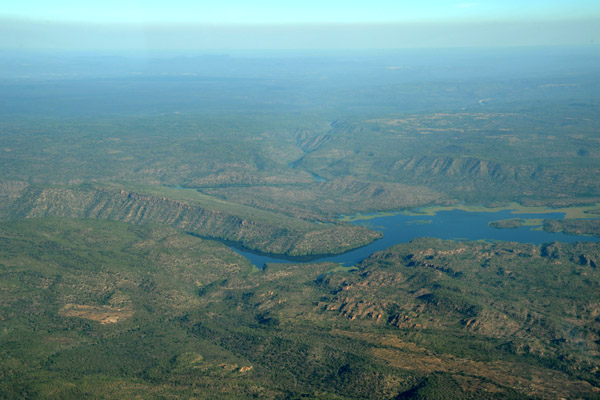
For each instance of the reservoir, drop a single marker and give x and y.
(446, 224)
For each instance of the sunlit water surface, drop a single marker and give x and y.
(448, 224)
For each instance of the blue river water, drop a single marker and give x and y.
(452, 224)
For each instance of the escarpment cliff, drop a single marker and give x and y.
(271, 233)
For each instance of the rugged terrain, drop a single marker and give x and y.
(579, 227)
(117, 186)
(195, 214)
(105, 309)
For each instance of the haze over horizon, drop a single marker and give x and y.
(267, 25)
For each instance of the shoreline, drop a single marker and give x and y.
(574, 212)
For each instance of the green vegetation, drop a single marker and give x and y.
(506, 223)
(576, 227)
(571, 212)
(194, 213)
(113, 185)
(374, 163)
(111, 310)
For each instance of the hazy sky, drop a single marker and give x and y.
(270, 24)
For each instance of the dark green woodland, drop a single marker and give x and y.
(126, 196)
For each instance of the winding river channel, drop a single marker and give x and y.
(453, 224)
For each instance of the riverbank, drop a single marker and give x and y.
(575, 212)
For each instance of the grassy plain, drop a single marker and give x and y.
(573, 212)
